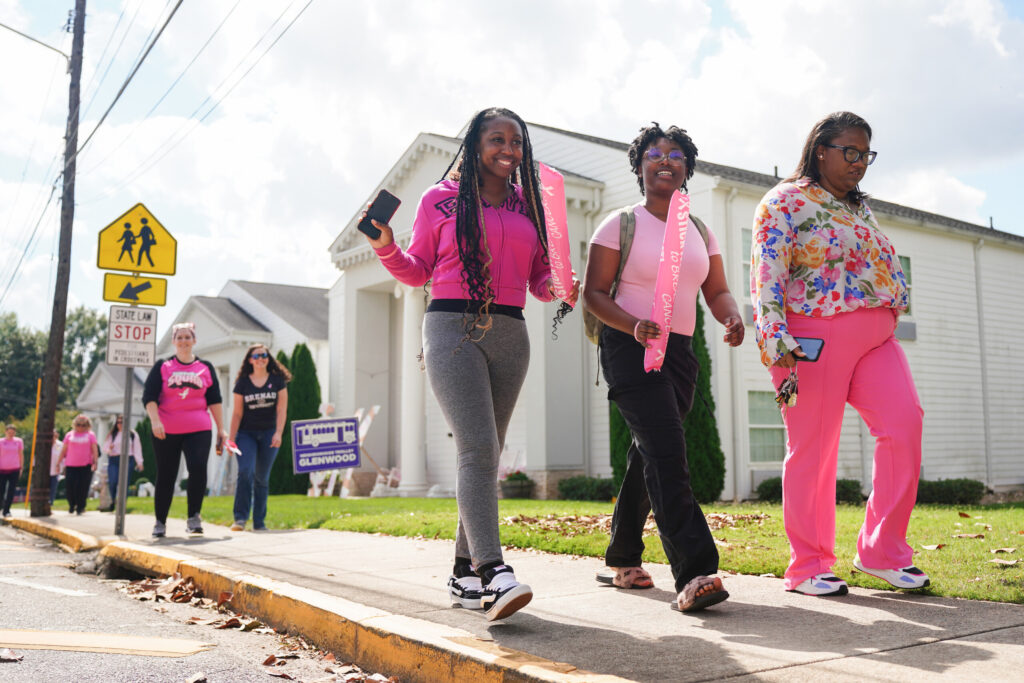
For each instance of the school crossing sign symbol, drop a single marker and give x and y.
(138, 243)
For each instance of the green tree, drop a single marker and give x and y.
(703, 445)
(21, 365)
(85, 344)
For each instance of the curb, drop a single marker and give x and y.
(75, 541)
(407, 647)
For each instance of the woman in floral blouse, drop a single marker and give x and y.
(821, 268)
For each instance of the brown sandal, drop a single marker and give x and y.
(691, 600)
(626, 577)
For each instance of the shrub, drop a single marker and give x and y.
(703, 445)
(518, 475)
(847, 491)
(586, 488)
(951, 491)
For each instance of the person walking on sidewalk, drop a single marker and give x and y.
(655, 404)
(258, 415)
(55, 472)
(79, 455)
(112, 448)
(479, 236)
(12, 459)
(821, 268)
(180, 395)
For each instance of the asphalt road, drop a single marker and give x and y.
(40, 590)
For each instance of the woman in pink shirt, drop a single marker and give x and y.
(655, 404)
(479, 238)
(79, 456)
(12, 451)
(181, 394)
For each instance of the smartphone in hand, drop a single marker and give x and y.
(381, 210)
(810, 346)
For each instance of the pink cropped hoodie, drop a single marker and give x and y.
(433, 254)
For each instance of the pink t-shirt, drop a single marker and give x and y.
(636, 288)
(79, 448)
(10, 454)
(182, 392)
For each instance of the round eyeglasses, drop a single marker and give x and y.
(853, 155)
(655, 155)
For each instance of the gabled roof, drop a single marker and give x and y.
(769, 181)
(228, 313)
(304, 308)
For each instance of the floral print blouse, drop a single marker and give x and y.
(813, 255)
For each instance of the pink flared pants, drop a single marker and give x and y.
(861, 364)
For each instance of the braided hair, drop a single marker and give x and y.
(469, 230)
(823, 133)
(651, 134)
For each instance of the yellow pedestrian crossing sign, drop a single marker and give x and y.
(138, 243)
(128, 289)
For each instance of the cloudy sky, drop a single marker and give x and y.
(259, 185)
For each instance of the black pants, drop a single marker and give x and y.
(77, 486)
(168, 451)
(8, 484)
(654, 406)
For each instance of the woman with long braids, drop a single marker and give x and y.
(655, 404)
(479, 237)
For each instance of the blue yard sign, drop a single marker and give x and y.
(328, 444)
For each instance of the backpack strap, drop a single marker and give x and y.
(627, 229)
(701, 228)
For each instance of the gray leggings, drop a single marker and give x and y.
(477, 389)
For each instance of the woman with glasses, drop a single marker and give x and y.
(821, 269)
(181, 394)
(654, 405)
(112, 447)
(258, 415)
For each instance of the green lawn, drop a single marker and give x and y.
(750, 536)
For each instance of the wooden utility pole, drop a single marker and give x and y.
(39, 498)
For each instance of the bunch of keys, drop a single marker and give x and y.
(786, 395)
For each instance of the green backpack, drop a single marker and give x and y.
(627, 228)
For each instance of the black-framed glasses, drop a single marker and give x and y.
(259, 355)
(853, 155)
(655, 155)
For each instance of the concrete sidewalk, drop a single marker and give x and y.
(383, 601)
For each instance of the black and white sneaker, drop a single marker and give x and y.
(159, 530)
(465, 588)
(503, 595)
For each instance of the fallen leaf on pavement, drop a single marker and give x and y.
(8, 655)
(250, 625)
(1004, 550)
(231, 623)
(937, 546)
(329, 657)
(964, 514)
(198, 621)
(287, 655)
(225, 596)
(280, 674)
(197, 678)
(968, 535)
(1005, 563)
(269, 660)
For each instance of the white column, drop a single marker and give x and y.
(413, 452)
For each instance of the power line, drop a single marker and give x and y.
(146, 165)
(124, 85)
(110, 39)
(17, 268)
(167, 92)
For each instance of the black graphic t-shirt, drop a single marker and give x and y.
(259, 404)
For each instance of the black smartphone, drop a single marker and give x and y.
(381, 210)
(811, 346)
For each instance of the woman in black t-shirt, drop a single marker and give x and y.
(258, 415)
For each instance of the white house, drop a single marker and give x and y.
(961, 338)
(242, 314)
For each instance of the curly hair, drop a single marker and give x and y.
(273, 367)
(651, 134)
(824, 132)
(469, 230)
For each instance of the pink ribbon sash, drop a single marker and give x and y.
(668, 278)
(552, 193)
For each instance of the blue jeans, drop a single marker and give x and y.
(54, 478)
(254, 466)
(113, 474)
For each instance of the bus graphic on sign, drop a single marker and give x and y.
(327, 444)
(316, 433)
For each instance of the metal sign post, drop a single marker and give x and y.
(131, 342)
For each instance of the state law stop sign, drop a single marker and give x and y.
(131, 336)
